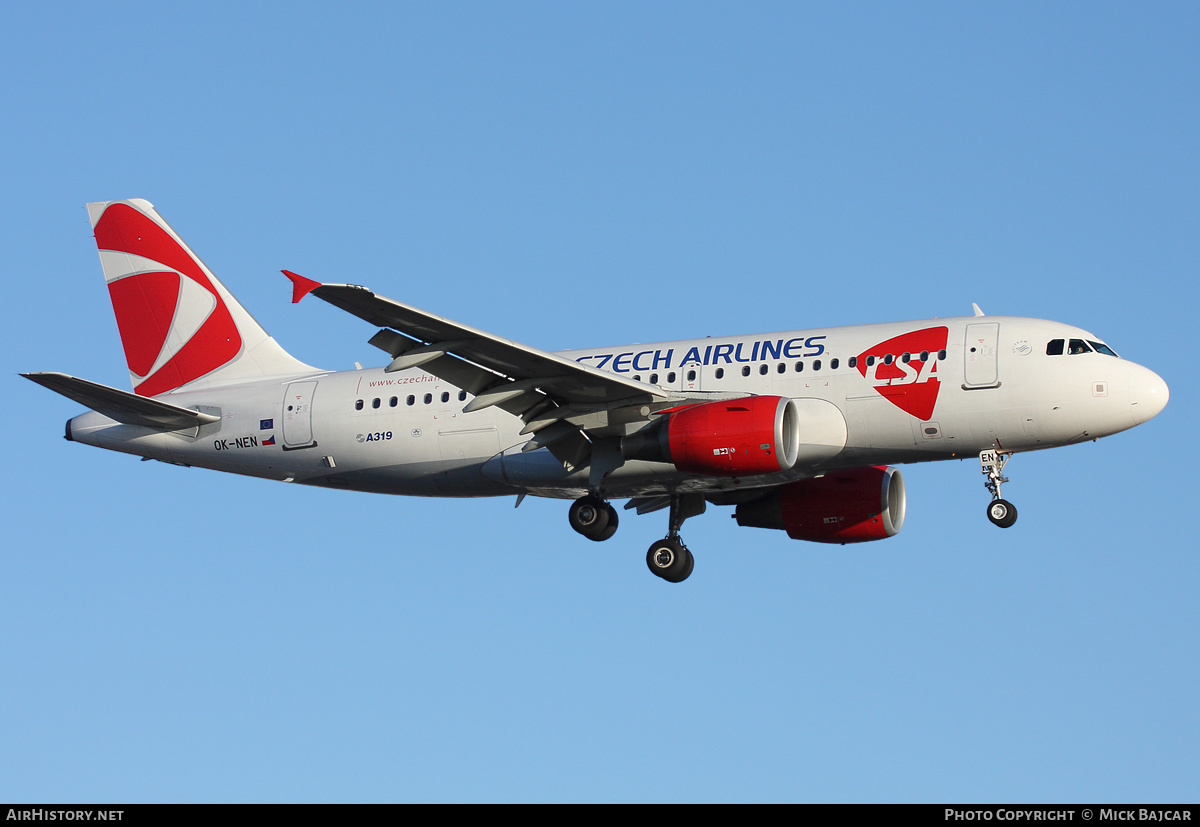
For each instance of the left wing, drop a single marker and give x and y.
(543, 389)
(436, 344)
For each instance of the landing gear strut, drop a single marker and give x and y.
(593, 518)
(999, 511)
(669, 558)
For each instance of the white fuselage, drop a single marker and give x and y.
(968, 384)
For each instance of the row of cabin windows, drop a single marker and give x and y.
(816, 364)
(359, 404)
(1073, 347)
(763, 370)
(691, 377)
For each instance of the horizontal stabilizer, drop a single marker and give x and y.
(123, 406)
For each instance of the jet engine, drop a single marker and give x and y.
(850, 506)
(736, 438)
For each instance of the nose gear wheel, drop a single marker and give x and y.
(1000, 511)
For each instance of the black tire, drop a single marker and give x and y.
(589, 516)
(669, 560)
(687, 567)
(611, 528)
(1002, 513)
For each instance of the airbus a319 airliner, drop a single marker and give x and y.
(797, 430)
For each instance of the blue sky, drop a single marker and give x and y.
(573, 175)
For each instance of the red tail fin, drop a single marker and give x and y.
(178, 323)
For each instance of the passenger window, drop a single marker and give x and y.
(816, 364)
(745, 370)
(375, 402)
(870, 361)
(654, 379)
(782, 368)
(833, 364)
(462, 396)
(941, 354)
(637, 378)
(853, 362)
(905, 358)
(799, 367)
(412, 400)
(1078, 346)
(887, 360)
(428, 398)
(762, 370)
(445, 396)
(671, 378)
(358, 404)
(1055, 348)
(692, 376)
(924, 355)
(720, 373)
(393, 402)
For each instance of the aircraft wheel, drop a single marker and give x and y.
(611, 528)
(1002, 513)
(687, 567)
(590, 517)
(670, 560)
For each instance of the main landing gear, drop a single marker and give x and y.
(669, 558)
(593, 518)
(999, 511)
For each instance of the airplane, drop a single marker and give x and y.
(798, 431)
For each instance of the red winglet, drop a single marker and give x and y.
(301, 286)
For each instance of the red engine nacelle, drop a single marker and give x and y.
(851, 506)
(738, 438)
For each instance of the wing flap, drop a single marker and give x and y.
(123, 406)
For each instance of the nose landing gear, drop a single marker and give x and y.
(999, 511)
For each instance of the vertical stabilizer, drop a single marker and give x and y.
(179, 325)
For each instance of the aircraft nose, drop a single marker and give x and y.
(1148, 395)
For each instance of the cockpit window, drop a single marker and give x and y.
(1055, 348)
(1100, 347)
(1078, 346)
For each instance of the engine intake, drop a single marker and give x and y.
(736, 438)
(850, 506)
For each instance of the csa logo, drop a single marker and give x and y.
(911, 386)
(174, 325)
